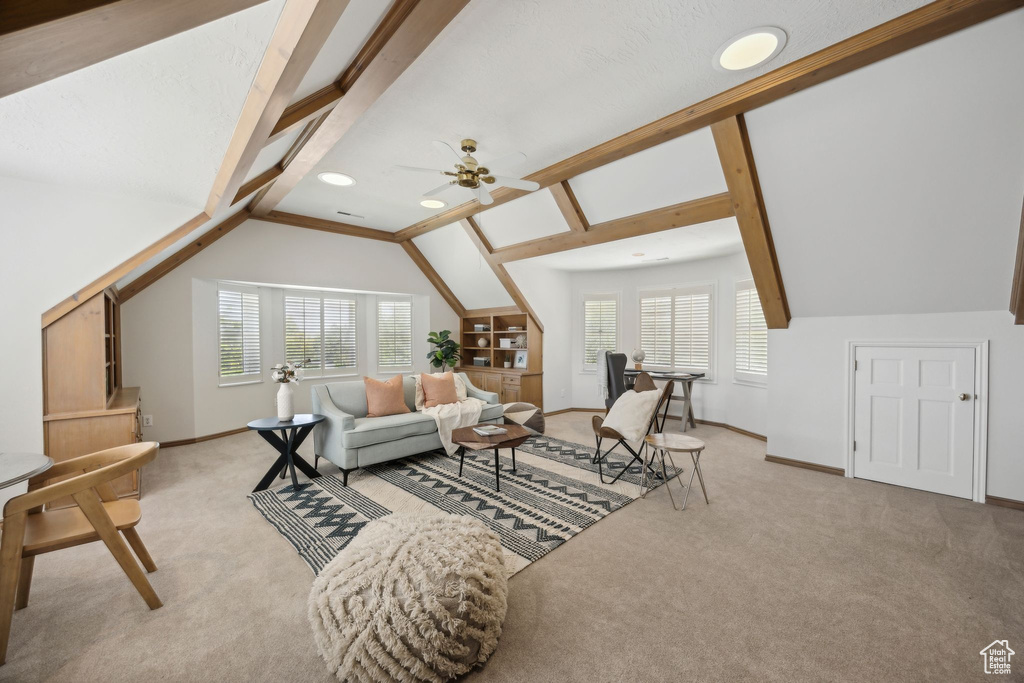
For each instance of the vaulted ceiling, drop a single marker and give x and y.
(552, 79)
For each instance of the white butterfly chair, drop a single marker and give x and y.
(640, 428)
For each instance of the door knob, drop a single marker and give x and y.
(963, 397)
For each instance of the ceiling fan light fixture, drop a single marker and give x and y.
(750, 48)
(433, 204)
(336, 178)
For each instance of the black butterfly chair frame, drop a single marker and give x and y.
(601, 432)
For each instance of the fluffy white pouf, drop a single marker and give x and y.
(411, 599)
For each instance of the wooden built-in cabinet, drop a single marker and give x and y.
(511, 384)
(85, 408)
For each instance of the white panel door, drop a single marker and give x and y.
(914, 417)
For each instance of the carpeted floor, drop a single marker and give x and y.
(788, 575)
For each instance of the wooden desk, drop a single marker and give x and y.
(685, 379)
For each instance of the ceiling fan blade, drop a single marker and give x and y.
(507, 161)
(421, 170)
(444, 148)
(483, 196)
(516, 183)
(439, 190)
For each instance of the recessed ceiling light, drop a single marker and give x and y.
(638, 254)
(335, 178)
(750, 48)
(433, 204)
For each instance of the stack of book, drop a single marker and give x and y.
(490, 430)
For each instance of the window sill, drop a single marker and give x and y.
(240, 384)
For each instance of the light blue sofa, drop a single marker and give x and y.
(351, 440)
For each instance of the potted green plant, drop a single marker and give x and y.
(446, 350)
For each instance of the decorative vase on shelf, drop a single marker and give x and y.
(481, 342)
(286, 402)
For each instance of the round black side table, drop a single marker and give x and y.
(293, 433)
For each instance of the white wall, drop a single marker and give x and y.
(57, 240)
(897, 188)
(719, 399)
(548, 292)
(169, 329)
(807, 407)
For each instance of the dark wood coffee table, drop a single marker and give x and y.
(514, 436)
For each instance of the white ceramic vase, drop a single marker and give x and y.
(286, 402)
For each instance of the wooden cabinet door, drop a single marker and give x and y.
(475, 378)
(68, 439)
(492, 382)
(510, 393)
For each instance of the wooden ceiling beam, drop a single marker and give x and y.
(737, 159)
(182, 255)
(439, 284)
(305, 110)
(477, 236)
(327, 226)
(113, 275)
(914, 28)
(646, 223)
(43, 39)
(1017, 287)
(324, 99)
(565, 198)
(373, 72)
(301, 32)
(257, 183)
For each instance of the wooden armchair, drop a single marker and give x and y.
(643, 383)
(28, 531)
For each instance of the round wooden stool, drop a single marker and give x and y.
(678, 443)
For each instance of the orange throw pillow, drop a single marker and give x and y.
(438, 389)
(385, 398)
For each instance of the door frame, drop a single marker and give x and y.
(980, 403)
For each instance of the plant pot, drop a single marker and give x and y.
(286, 402)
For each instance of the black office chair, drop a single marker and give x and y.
(616, 377)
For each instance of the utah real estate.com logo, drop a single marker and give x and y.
(997, 657)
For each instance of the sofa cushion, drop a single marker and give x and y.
(385, 398)
(373, 430)
(492, 411)
(438, 389)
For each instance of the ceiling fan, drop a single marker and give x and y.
(471, 175)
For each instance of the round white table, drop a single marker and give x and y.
(18, 467)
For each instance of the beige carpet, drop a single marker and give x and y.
(788, 575)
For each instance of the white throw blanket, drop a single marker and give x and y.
(451, 416)
(602, 374)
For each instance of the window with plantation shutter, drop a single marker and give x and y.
(238, 321)
(751, 335)
(394, 334)
(600, 325)
(675, 328)
(320, 333)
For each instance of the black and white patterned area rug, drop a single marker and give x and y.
(543, 503)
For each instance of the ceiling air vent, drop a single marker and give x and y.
(350, 215)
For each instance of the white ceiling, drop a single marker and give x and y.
(675, 171)
(357, 22)
(897, 188)
(272, 154)
(705, 240)
(152, 123)
(552, 79)
(459, 263)
(530, 217)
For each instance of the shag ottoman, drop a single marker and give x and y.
(411, 599)
(525, 414)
